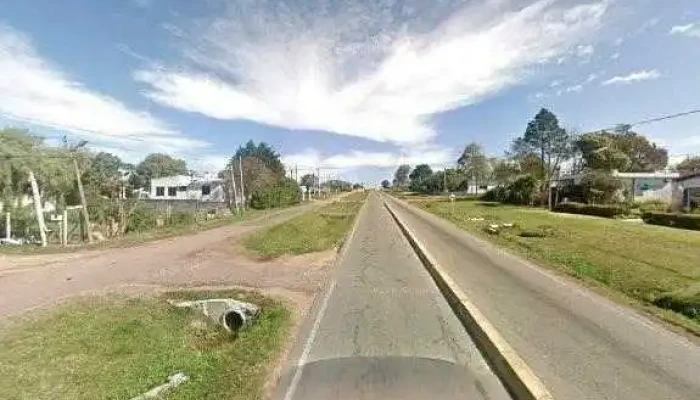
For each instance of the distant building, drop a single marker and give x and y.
(658, 185)
(687, 191)
(185, 187)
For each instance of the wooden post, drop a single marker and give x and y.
(8, 225)
(64, 223)
(86, 215)
(233, 186)
(240, 166)
(38, 209)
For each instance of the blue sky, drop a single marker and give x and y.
(357, 86)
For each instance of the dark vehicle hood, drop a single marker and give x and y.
(404, 378)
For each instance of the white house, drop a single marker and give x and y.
(687, 191)
(659, 185)
(185, 187)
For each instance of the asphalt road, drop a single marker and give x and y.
(581, 345)
(382, 330)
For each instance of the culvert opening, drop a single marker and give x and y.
(234, 321)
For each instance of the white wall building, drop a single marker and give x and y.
(185, 187)
(687, 191)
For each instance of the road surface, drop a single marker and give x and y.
(383, 331)
(582, 346)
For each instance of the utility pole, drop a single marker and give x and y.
(86, 215)
(444, 181)
(8, 225)
(233, 186)
(240, 167)
(319, 182)
(296, 172)
(38, 209)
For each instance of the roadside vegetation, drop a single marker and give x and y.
(313, 231)
(118, 348)
(42, 185)
(657, 267)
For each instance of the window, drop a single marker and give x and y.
(172, 191)
(206, 189)
(182, 189)
(160, 191)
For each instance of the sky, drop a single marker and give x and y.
(355, 87)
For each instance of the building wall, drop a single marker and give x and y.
(179, 181)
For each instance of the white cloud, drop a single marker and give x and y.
(633, 77)
(615, 56)
(574, 88)
(432, 155)
(585, 50)
(591, 78)
(362, 70)
(690, 30)
(34, 92)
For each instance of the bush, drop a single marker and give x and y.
(142, 219)
(600, 186)
(653, 206)
(607, 211)
(285, 193)
(521, 191)
(499, 194)
(686, 302)
(684, 221)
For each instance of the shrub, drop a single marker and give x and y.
(142, 219)
(684, 221)
(686, 302)
(607, 211)
(499, 194)
(521, 191)
(539, 232)
(653, 206)
(600, 186)
(285, 193)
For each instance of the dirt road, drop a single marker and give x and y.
(209, 258)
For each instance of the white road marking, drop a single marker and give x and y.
(307, 346)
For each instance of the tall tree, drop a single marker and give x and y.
(625, 152)
(103, 175)
(309, 180)
(157, 165)
(386, 184)
(644, 155)
(265, 153)
(420, 176)
(504, 171)
(544, 137)
(688, 166)
(474, 163)
(401, 175)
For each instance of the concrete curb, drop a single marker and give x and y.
(515, 374)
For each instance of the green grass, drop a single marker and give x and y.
(310, 232)
(117, 348)
(647, 264)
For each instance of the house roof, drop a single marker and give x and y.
(689, 176)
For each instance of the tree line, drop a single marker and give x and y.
(538, 158)
(109, 189)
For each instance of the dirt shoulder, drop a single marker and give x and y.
(209, 258)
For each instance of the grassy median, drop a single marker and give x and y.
(117, 348)
(657, 267)
(310, 232)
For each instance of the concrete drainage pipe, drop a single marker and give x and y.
(232, 314)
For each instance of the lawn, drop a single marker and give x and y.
(117, 348)
(656, 267)
(310, 232)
